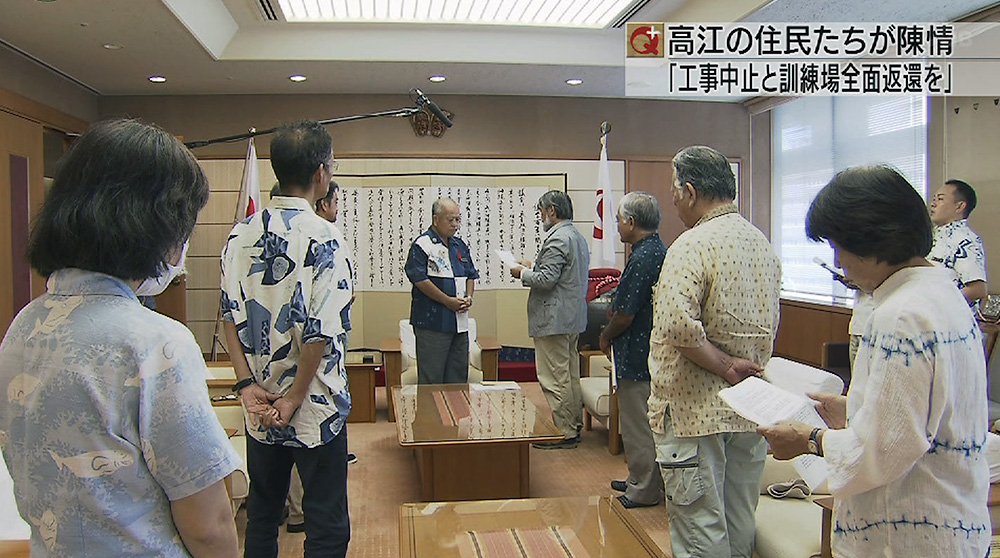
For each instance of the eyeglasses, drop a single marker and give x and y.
(332, 166)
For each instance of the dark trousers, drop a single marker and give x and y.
(323, 470)
(442, 358)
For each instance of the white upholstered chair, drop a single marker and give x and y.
(599, 398)
(399, 357)
(221, 378)
(789, 527)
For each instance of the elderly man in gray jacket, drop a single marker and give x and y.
(557, 313)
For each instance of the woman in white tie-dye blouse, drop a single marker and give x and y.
(107, 429)
(905, 447)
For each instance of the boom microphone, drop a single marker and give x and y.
(838, 276)
(422, 100)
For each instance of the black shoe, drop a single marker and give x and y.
(629, 504)
(618, 485)
(296, 527)
(565, 443)
(351, 458)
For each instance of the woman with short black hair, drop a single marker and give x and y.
(109, 435)
(905, 446)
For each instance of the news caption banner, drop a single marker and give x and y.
(797, 59)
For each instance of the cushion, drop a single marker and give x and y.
(600, 366)
(788, 528)
(231, 416)
(241, 480)
(12, 527)
(596, 398)
(408, 341)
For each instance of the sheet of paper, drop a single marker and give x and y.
(461, 318)
(801, 378)
(507, 258)
(494, 386)
(763, 403)
(614, 371)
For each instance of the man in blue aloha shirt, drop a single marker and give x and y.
(287, 287)
(628, 332)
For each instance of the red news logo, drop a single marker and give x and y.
(644, 40)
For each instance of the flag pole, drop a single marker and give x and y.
(604, 229)
(216, 339)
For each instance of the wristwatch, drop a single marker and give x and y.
(813, 446)
(242, 384)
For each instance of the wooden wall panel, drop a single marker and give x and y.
(804, 327)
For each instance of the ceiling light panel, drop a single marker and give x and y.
(590, 14)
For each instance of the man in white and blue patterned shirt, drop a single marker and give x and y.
(444, 277)
(287, 287)
(956, 246)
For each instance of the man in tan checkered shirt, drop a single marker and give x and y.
(715, 315)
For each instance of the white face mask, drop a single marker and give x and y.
(152, 286)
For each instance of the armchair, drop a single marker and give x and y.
(599, 398)
(220, 378)
(399, 357)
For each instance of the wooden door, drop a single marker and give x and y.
(657, 177)
(21, 193)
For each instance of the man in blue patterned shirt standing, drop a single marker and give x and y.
(440, 267)
(628, 333)
(286, 295)
(956, 246)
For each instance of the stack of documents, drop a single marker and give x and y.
(781, 396)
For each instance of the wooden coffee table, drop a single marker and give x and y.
(578, 527)
(471, 442)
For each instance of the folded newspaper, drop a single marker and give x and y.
(781, 396)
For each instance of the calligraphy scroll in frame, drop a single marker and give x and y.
(381, 214)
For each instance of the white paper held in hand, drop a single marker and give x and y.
(801, 378)
(766, 404)
(507, 258)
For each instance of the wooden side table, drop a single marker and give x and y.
(361, 367)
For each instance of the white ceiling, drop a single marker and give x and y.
(226, 47)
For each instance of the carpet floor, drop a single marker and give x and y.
(385, 477)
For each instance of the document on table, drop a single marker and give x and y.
(764, 403)
(494, 386)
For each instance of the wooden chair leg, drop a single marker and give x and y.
(587, 424)
(614, 429)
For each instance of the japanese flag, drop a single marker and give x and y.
(249, 202)
(605, 227)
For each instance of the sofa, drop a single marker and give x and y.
(789, 527)
(400, 359)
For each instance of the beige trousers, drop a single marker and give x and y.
(557, 363)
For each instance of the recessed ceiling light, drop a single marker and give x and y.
(437, 79)
(574, 81)
(112, 46)
(297, 78)
(157, 79)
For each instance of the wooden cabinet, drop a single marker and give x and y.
(805, 326)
